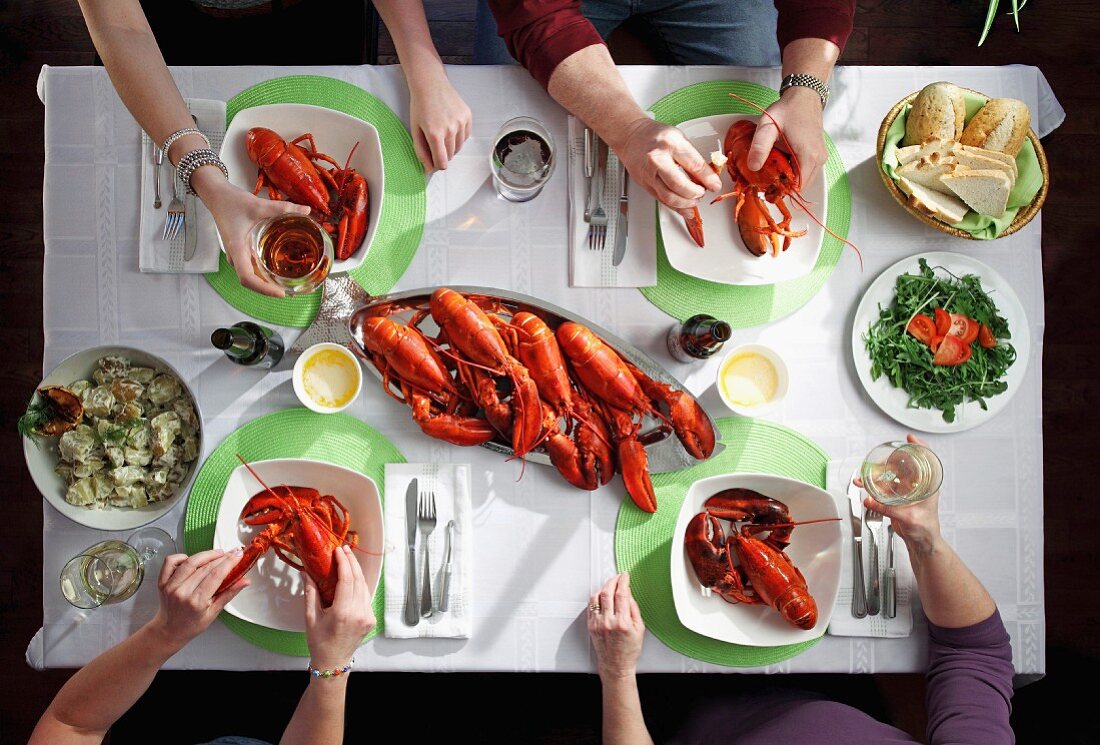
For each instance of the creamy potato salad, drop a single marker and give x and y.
(137, 441)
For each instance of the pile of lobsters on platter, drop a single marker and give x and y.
(491, 374)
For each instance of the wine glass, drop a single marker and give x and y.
(900, 473)
(295, 251)
(112, 571)
(522, 159)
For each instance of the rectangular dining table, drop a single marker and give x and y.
(541, 547)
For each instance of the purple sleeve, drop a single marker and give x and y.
(970, 683)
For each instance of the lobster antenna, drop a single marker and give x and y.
(257, 476)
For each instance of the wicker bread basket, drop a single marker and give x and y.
(1023, 217)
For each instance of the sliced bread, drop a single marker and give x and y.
(946, 207)
(1008, 161)
(916, 152)
(928, 171)
(970, 159)
(984, 191)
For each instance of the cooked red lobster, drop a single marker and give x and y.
(338, 197)
(304, 527)
(491, 374)
(763, 573)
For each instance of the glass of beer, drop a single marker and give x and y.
(112, 571)
(901, 473)
(522, 159)
(295, 251)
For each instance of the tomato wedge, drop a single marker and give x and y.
(936, 341)
(943, 321)
(964, 327)
(986, 337)
(952, 351)
(922, 328)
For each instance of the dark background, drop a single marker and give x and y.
(1059, 37)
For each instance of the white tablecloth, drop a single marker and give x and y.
(542, 546)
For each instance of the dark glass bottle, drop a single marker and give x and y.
(697, 338)
(248, 343)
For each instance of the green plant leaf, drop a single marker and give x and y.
(990, 15)
(1016, 14)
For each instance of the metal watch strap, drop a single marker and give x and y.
(807, 81)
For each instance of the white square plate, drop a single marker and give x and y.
(276, 598)
(814, 549)
(725, 259)
(335, 134)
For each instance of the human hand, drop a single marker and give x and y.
(662, 160)
(235, 212)
(798, 115)
(918, 524)
(334, 633)
(439, 119)
(616, 629)
(187, 585)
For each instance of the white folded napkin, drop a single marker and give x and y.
(593, 268)
(843, 623)
(167, 257)
(451, 484)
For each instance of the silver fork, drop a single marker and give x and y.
(174, 221)
(597, 223)
(425, 509)
(874, 594)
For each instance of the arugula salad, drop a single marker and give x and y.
(942, 341)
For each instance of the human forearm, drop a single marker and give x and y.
(408, 27)
(591, 88)
(815, 57)
(950, 594)
(319, 716)
(102, 691)
(130, 54)
(623, 723)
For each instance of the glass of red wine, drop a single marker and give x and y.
(522, 159)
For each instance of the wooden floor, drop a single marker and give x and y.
(1059, 37)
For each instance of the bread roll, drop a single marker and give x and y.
(1000, 125)
(938, 113)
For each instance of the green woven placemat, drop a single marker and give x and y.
(400, 224)
(295, 433)
(681, 295)
(643, 542)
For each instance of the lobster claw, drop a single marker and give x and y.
(694, 225)
(634, 465)
(745, 504)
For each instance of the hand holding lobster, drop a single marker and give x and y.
(334, 633)
(188, 599)
(797, 115)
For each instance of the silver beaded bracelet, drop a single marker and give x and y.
(194, 160)
(182, 133)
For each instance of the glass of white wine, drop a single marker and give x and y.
(900, 473)
(111, 571)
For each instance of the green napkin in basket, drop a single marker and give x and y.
(1028, 182)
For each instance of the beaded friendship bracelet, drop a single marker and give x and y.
(329, 673)
(194, 160)
(182, 133)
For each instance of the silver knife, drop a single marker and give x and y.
(890, 582)
(859, 596)
(620, 226)
(874, 594)
(158, 158)
(412, 599)
(445, 593)
(190, 226)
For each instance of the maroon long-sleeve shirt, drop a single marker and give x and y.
(968, 696)
(542, 33)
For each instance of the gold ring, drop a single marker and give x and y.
(595, 607)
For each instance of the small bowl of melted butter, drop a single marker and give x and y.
(752, 379)
(327, 378)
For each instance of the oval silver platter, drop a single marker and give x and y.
(664, 451)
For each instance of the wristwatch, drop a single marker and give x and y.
(809, 81)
